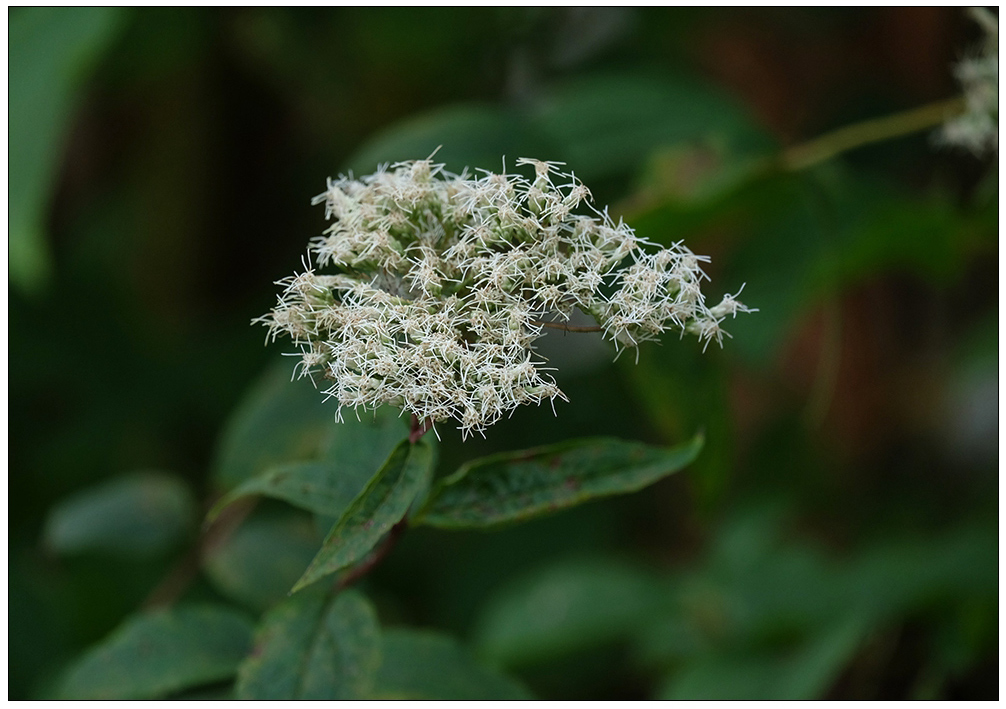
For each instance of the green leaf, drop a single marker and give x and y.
(786, 238)
(136, 514)
(354, 453)
(382, 504)
(516, 486)
(261, 559)
(608, 124)
(425, 665)
(681, 389)
(565, 608)
(52, 52)
(896, 577)
(280, 421)
(161, 652)
(314, 646)
(603, 126)
(473, 136)
(807, 237)
(805, 672)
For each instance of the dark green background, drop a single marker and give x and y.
(838, 535)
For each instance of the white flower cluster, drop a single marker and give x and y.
(441, 284)
(977, 129)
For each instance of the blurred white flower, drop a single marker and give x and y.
(977, 129)
(441, 283)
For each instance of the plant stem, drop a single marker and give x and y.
(417, 430)
(567, 328)
(874, 130)
(184, 572)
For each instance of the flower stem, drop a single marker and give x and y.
(567, 328)
(874, 130)
(418, 429)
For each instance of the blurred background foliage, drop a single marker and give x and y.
(837, 538)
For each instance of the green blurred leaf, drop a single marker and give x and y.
(808, 237)
(928, 237)
(768, 619)
(609, 124)
(784, 240)
(279, 421)
(694, 179)
(754, 589)
(602, 125)
(213, 693)
(140, 513)
(429, 666)
(670, 639)
(354, 454)
(52, 52)
(161, 652)
(759, 588)
(314, 646)
(683, 389)
(962, 636)
(259, 562)
(472, 136)
(895, 577)
(567, 607)
(381, 505)
(803, 673)
(515, 486)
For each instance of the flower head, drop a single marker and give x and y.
(977, 129)
(437, 285)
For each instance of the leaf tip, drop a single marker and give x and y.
(308, 577)
(218, 507)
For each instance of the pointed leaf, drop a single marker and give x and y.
(314, 646)
(353, 455)
(382, 504)
(140, 513)
(425, 665)
(516, 486)
(158, 653)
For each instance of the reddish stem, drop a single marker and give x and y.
(568, 328)
(418, 430)
(375, 558)
(184, 572)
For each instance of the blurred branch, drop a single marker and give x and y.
(184, 572)
(872, 131)
(814, 152)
